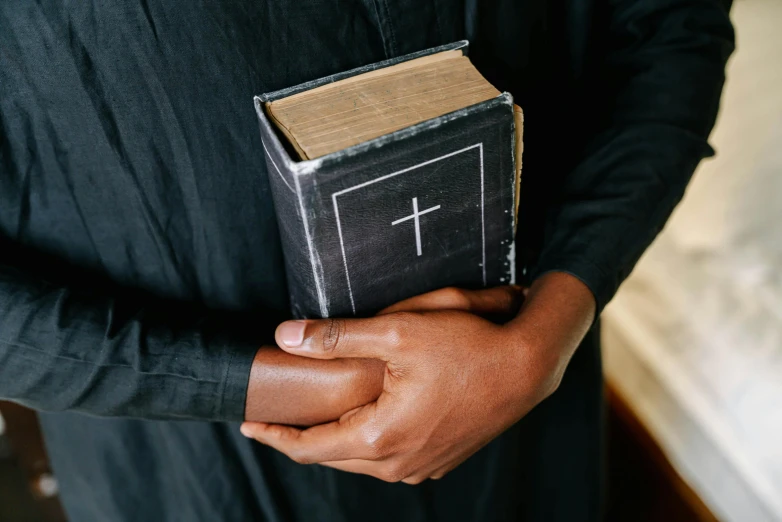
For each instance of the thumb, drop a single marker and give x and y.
(497, 301)
(372, 338)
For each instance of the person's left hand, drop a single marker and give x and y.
(454, 381)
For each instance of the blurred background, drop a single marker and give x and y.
(692, 342)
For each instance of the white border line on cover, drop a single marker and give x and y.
(381, 178)
(324, 311)
(275, 166)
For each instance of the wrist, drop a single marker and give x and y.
(557, 313)
(558, 306)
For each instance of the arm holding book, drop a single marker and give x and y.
(657, 89)
(118, 354)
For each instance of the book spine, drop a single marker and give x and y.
(304, 271)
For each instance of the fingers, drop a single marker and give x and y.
(353, 446)
(389, 470)
(325, 445)
(373, 338)
(351, 438)
(440, 473)
(329, 445)
(310, 446)
(378, 337)
(500, 300)
(437, 474)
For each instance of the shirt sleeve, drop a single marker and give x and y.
(116, 353)
(660, 81)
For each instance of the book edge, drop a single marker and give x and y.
(307, 167)
(304, 153)
(518, 151)
(312, 84)
(267, 107)
(371, 75)
(409, 132)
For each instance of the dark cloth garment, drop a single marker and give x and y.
(140, 265)
(544, 468)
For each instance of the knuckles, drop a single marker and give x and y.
(397, 328)
(394, 472)
(376, 443)
(333, 335)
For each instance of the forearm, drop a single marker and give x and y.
(72, 342)
(556, 315)
(287, 389)
(652, 100)
(62, 349)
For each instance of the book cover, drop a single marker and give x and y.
(425, 207)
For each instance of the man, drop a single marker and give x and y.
(141, 269)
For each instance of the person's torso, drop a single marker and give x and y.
(129, 146)
(129, 141)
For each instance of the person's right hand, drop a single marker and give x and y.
(301, 391)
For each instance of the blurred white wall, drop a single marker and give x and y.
(693, 340)
(744, 136)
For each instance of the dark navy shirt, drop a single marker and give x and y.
(140, 264)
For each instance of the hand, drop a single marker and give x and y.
(453, 381)
(287, 389)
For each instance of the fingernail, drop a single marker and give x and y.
(291, 333)
(246, 431)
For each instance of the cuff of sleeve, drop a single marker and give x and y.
(236, 379)
(593, 276)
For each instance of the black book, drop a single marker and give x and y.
(390, 181)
